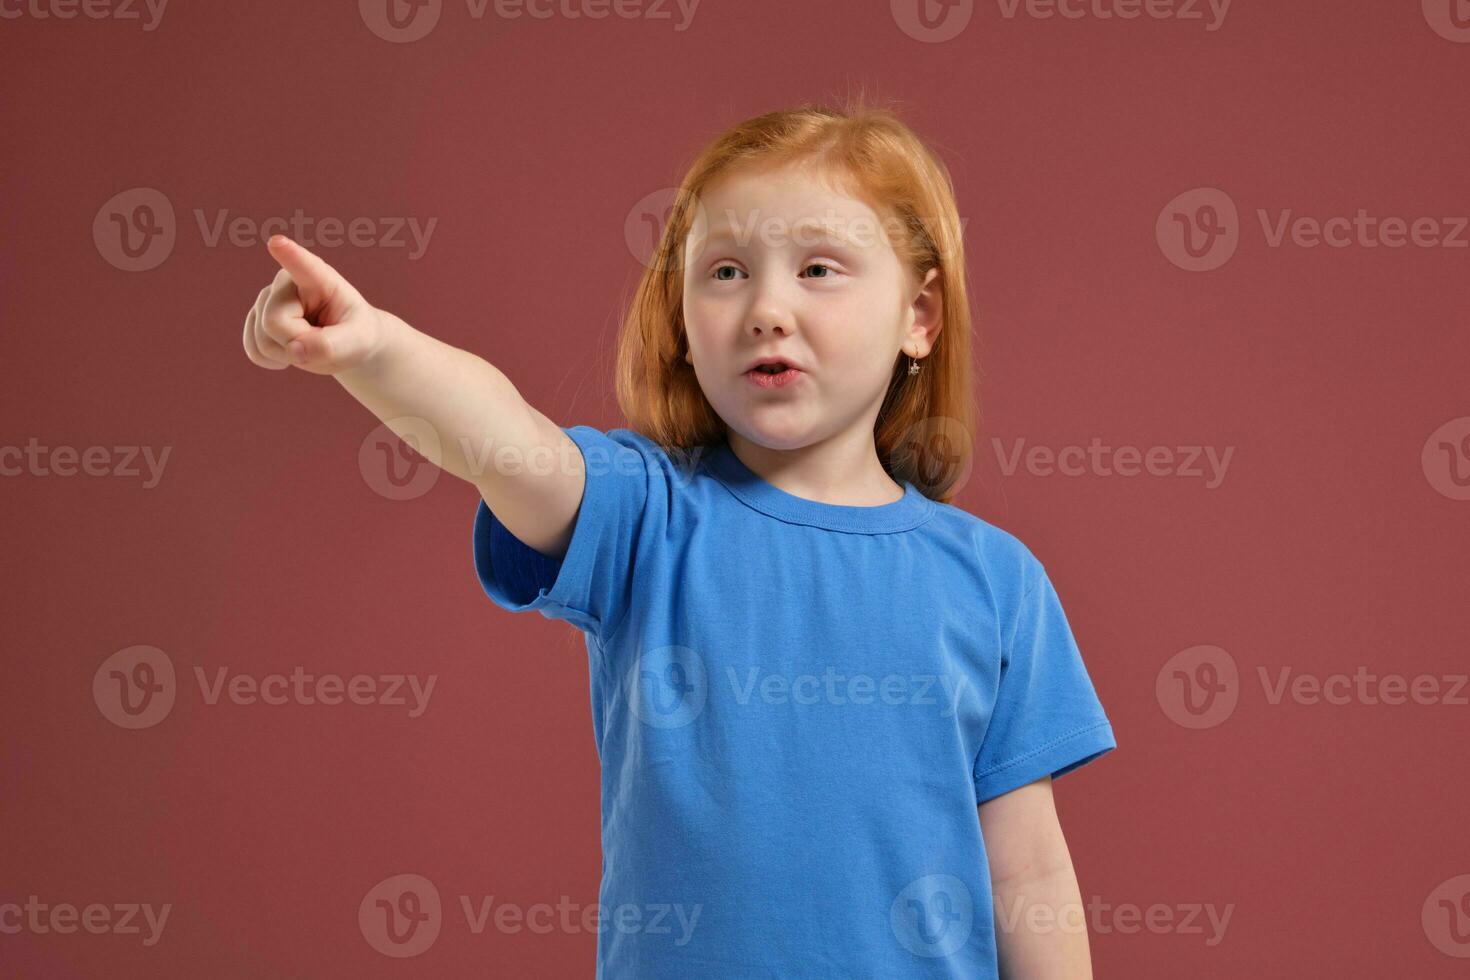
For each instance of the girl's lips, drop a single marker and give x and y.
(764, 379)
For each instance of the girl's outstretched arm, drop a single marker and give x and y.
(529, 472)
(1040, 922)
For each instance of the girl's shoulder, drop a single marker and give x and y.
(997, 552)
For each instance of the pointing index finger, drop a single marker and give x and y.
(315, 279)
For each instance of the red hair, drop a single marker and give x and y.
(924, 428)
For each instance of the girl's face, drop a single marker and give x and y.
(778, 265)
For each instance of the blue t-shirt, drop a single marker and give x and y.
(798, 707)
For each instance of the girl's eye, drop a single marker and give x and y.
(814, 265)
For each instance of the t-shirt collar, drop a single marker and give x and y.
(911, 510)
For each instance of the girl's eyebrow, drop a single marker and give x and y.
(803, 230)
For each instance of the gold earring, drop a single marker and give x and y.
(913, 366)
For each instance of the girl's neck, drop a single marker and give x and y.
(842, 470)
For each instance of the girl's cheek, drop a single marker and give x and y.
(700, 310)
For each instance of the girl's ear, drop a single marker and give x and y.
(929, 307)
(930, 284)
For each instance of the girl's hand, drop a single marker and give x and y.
(310, 317)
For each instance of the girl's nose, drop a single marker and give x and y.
(770, 313)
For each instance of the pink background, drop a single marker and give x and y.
(1337, 539)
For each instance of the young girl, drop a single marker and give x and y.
(808, 668)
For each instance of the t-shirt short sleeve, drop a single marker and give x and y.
(521, 570)
(591, 585)
(1047, 719)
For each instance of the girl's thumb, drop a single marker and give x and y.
(327, 350)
